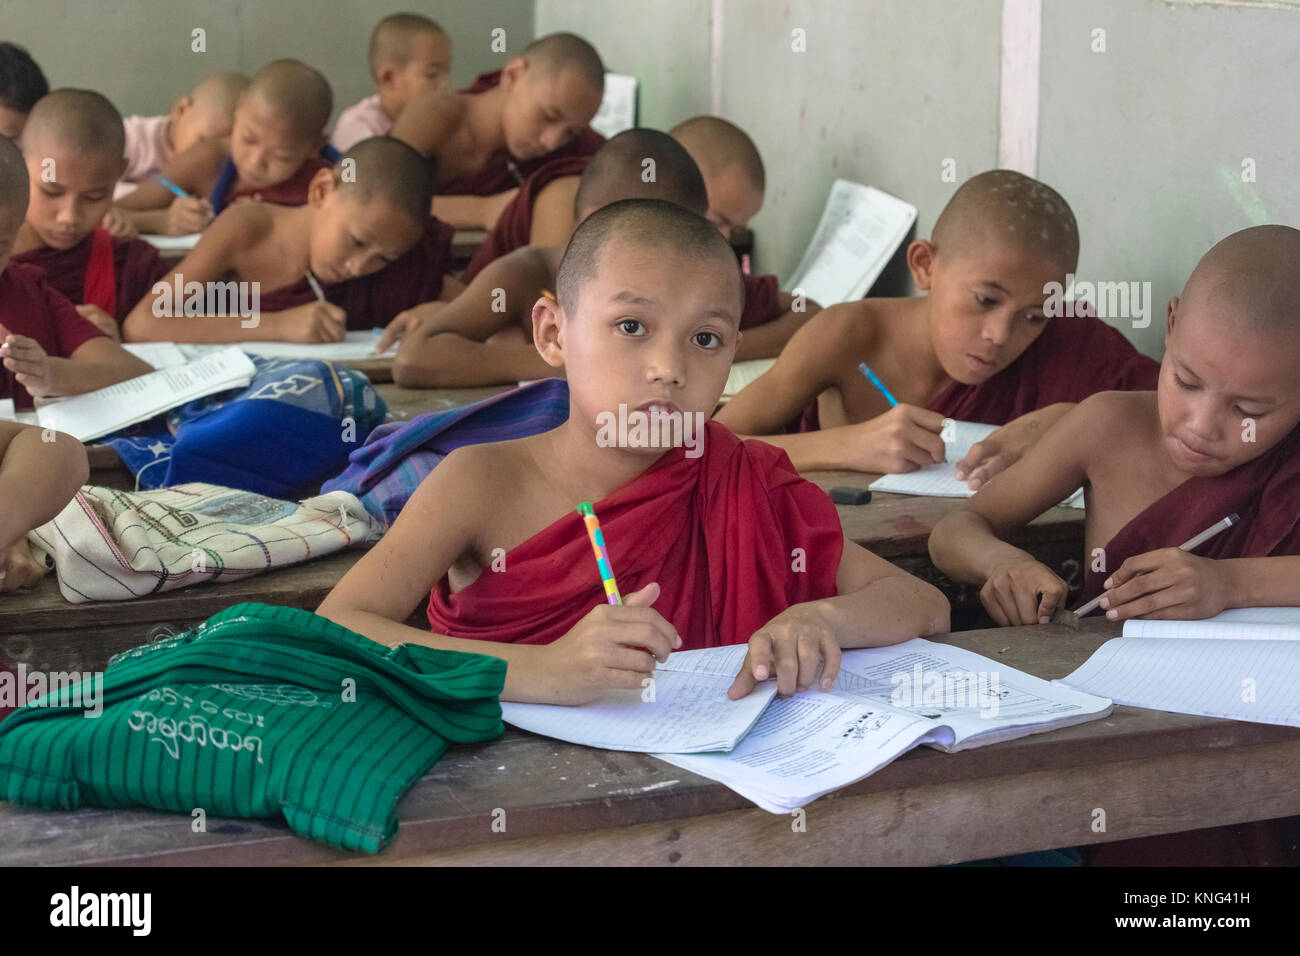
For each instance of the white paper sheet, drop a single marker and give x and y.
(860, 229)
(617, 107)
(99, 413)
(355, 347)
(1235, 669)
(689, 712)
(174, 243)
(158, 354)
(743, 374)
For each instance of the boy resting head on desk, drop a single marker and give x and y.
(1219, 436)
(715, 541)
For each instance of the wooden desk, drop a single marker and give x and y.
(1151, 772)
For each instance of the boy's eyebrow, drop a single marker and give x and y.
(1187, 369)
(627, 295)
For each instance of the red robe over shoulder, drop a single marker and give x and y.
(28, 306)
(1265, 493)
(715, 531)
(290, 192)
(503, 171)
(1073, 358)
(115, 282)
(515, 225)
(373, 300)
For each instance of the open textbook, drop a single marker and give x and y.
(355, 347)
(860, 229)
(102, 412)
(941, 480)
(784, 753)
(1243, 664)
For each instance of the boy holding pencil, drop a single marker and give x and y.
(979, 346)
(1163, 471)
(714, 541)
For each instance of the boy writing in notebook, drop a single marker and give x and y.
(977, 347)
(207, 112)
(277, 144)
(1219, 436)
(366, 237)
(407, 53)
(46, 348)
(21, 84)
(700, 537)
(487, 139)
(73, 146)
(484, 336)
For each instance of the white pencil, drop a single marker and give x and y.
(315, 286)
(1196, 542)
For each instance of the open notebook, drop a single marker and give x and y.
(859, 231)
(784, 753)
(1243, 664)
(941, 480)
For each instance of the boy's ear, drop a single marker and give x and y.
(181, 107)
(1169, 315)
(920, 262)
(512, 72)
(321, 186)
(386, 75)
(548, 331)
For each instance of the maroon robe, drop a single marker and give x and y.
(373, 300)
(515, 225)
(133, 268)
(1264, 493)
(503, 171)
(1072, 359)
(30, 307)
(715, 531)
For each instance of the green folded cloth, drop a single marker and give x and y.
(256, 712)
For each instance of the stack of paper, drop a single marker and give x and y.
(1243, 664)
(860, 229)
(100, 413)
(885, 702)
(618, 106)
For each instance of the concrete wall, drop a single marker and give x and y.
(1147, 139)
(138, 52)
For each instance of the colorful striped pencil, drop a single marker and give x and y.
(598, 548)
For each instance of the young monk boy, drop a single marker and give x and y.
(1218, 436)
(407, 53)
(484, 336)
(73, 147)
(367, 237)
(277, 144)
(21, 84)
(699, 538)
(205, 113)
(978, 347)
(46, 348)
(487, 139)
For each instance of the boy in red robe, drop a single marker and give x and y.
(484, 336)
(486, 139)
(46, 348)
(701, 537)
(277, 144)
(74, 146)
(1220, 435)
(364, 233)
(979, 346)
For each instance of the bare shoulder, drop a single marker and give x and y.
(825, 341)
(1115, 413)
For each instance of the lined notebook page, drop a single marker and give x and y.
(1194, 672)
(940, 481)
(690, 711)
(1246, 623)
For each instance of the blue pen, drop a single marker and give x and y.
(871, 377)
(173, 187)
